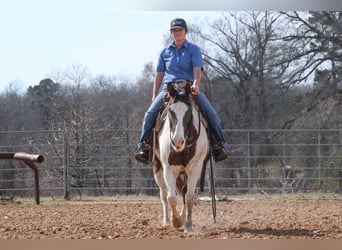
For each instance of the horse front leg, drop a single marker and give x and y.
(163, 196)
(188, 222)
(189, 202)
(166, 217)
(183, 211)
(188, 206)
(176, 221)
(170, 179)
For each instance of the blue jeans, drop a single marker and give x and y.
(207, 109)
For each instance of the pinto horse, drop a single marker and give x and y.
(181, 151)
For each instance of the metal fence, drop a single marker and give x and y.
(101, 162)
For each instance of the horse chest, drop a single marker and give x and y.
(182, 158)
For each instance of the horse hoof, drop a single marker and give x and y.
(176, 223)
(166, 224)
(188, 228)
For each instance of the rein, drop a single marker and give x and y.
(212, 187)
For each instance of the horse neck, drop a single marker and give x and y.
(196, 117)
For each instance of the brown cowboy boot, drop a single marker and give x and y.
(219, 151)
(143, 153)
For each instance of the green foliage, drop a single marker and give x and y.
(321, 75)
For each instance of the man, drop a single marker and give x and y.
(180, 60)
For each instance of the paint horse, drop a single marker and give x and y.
(181, 151)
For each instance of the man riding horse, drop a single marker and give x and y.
(181, 60)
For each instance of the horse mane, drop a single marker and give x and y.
(177, 93)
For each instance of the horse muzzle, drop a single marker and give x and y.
(178, 145)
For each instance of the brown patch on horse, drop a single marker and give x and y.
(181, 184)
(183, 158)
(157, 166)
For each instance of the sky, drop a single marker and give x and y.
(39, 38)
(114, 38)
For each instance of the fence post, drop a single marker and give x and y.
(319, 157)
(66, 165)
(249, 160)
(284, 177)
(284, 153)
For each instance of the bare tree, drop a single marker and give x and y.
(319, 36)
(245, 51)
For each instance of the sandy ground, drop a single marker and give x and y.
(130, 220)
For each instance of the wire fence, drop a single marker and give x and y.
(101, 163)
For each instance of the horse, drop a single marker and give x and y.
(181, 150)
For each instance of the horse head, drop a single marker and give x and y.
(179, 114)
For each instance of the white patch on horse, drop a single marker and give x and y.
(178, 136)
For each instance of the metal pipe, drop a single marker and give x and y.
(22, 156)
(29, 160)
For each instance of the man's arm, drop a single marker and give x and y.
(197, 80)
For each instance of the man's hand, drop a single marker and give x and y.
(195, 89)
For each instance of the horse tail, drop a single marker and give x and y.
(181, 185)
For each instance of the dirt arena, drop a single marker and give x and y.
(280, 219)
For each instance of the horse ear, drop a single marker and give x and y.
(187, 88)
(171, 90)
(166, 97)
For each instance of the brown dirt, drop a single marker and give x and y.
(129, 220)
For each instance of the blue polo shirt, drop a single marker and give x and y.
(179, 63)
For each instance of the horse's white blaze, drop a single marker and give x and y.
(178, 135)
